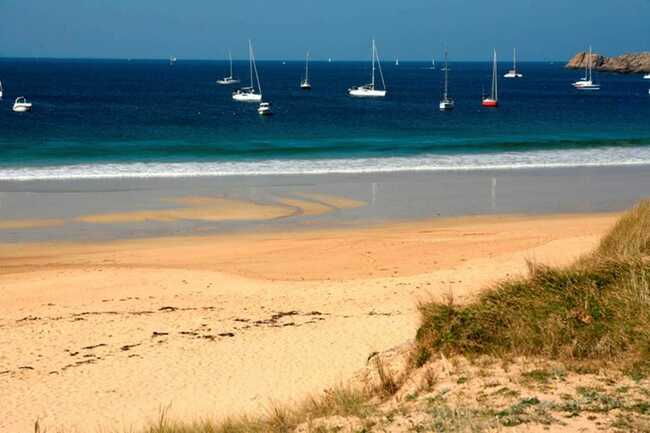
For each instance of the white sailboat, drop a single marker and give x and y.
(1, 90)
(513, 73)
(433, 64)
(447, 103)
(369, 90)
(396, 61)
(586, 82)
(230, 79)
(172, 61)
(646, 77)
(250, 93)
(492, 101)
(305, 84)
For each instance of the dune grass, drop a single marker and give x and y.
(343, 401)
(597, 309)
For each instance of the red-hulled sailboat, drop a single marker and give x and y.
(493, 100)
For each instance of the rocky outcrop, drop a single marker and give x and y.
(632, 63)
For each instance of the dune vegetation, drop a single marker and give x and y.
(595, 310)
(562, 348)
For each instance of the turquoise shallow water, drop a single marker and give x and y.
(103, 118)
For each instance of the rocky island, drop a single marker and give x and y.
(631, 63)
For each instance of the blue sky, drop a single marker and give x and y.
(284, 29)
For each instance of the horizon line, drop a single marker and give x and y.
(324, 60)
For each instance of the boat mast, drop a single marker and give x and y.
(230, 57)
(257, 76)
(381, 73)
(250, 60)
(446, 77)
(514, 60)
(307, 68)
(373, 64)
(494, 77)
(589, 65)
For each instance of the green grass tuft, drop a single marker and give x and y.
(594, 310)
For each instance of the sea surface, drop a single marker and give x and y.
(119, 118)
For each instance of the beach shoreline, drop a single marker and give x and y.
(107, 209)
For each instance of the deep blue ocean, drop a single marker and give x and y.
(106, 118)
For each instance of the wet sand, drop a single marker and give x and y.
(68, 210)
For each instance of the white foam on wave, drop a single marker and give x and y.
(603, 156)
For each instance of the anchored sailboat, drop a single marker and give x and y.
(250, 94)
(230, 79)
(396, 61)
(513, 73)
(0, 89)
(586, 82)
(305, 84)
(433, 64)
(447, 103)
(369, 90)
(492, 101)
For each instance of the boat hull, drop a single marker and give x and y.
(586, 85)
(22, 108)
(490, 103)
(367, 93)
(227, 82)
(247, 97)
(446, 106)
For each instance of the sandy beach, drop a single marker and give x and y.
(105, 334)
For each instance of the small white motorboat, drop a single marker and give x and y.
(0, 89)
(21, 105)
(370, 90)
(250, 93)
(646, 77)
(264, 109)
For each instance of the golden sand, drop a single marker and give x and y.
(226, 324)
